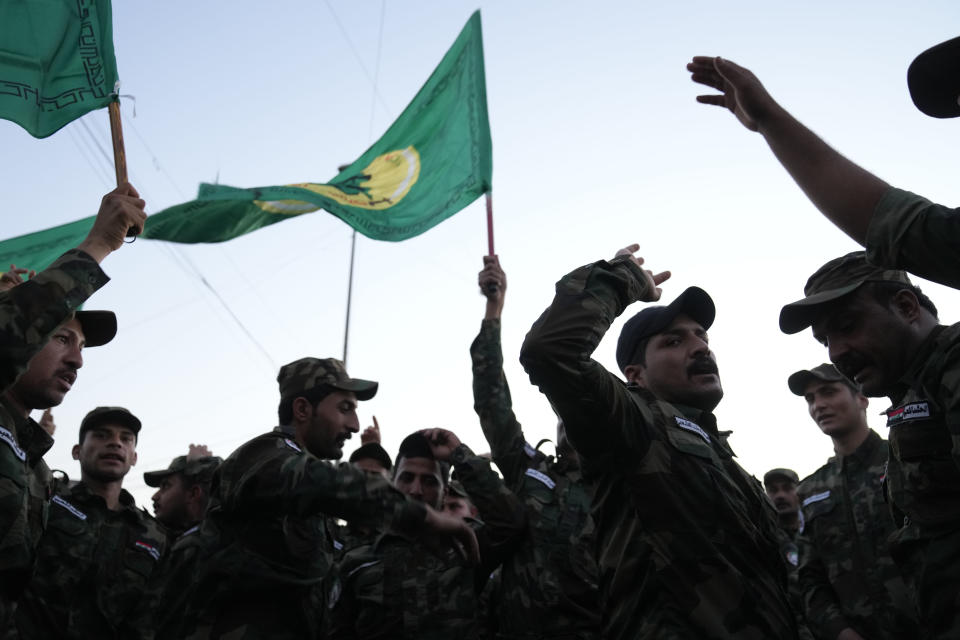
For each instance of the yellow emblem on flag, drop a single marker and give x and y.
(382, 184)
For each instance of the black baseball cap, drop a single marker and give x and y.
(934, 80)
(99, 327)
(109, 415)
(694, 302)
(825, 373)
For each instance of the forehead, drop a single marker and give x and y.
(74, 327)
(114, 429)
(419, 466)
(780, 484)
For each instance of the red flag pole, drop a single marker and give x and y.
(489, 224)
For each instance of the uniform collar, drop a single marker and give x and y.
(286, 431)
(30, 436)
(914, 371)
(862, 454)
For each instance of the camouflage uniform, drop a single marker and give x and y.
(911, 233)
(396, 588)
(93, 565)
(687, 540)
(265, 548)
(29, 314)
(847, 575)
(549, 585)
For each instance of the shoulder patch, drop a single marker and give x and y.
(907, 412)
(529, 450)
(338, 545)
(817, 497)
(190, 531)
(69, 507)
(149, 548)
(542, 477)
(7, 437)
(692, 427)
(293, 445)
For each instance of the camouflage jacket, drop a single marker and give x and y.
(93, 566)
(911, 233)
(686, 539)
(549, 585)
(847, 576)
(397, 588)
(267, 545)
(29, 314)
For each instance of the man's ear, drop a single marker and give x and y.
(302, 409)
(75, 452)
(634, 374)
(906, 304)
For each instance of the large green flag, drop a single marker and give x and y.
(431, 163)
(56, 61)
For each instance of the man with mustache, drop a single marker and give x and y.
(851, 586)
(882, 333)
(686, 539)
(99, 549)
(41, 337)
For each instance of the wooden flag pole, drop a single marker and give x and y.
(116, 132)
(489, 224)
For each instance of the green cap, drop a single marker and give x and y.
(305, 374)
(839, 277)
(787, 474)
(825, 372)
(109, 415)
(200, 468)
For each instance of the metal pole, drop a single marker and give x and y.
(346, 330)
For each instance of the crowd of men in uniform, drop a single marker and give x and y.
(642, 526)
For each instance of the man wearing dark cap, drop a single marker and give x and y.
(400, 589)
(183, 490)
(273, 548)
(41, 335)
(882, 334)
(370, 455)
(99, 550)
(851, 586)
(686, 539)
(899, 229)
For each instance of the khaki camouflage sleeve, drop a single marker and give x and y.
(494, 407)
(822, 610)
(284, 481)
(594, 404)
(909, 232)
(504, 518)
(31, 311)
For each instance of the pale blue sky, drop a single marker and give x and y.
(598, 142)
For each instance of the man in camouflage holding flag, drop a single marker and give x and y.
(549, 584)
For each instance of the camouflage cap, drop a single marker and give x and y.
(834, 280)
(309, 373)
(695, 302)
(788, 474)
(934, 80)
(200, 468)
(99, 327)
(109, 415)
(825, 372)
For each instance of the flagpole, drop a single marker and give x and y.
(116, 133)
(346, 330)
(489, 223)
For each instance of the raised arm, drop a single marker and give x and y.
(592, 402)
(845, 193)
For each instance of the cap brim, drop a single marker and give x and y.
(798, 382)
(99, 327)
(772, 476)
(934, 80)
(363, 389)
(696, 303)
(155, 478)
(799, 315)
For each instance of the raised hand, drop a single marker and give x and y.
(493, 285)
(12, 278)
(121, 212)
(371, 433)
(740, 91)
(442, 443)
(654, 280)
(198, 451)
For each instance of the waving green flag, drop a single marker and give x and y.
(56, 61)
(431, 163)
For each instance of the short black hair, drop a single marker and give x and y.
(314, 396)
(883, 293)
(416, 445)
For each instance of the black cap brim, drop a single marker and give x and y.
(99, 327)
(155, 478)
(799, 315)
(934, 80)
(363, 389)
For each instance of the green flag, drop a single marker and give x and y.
(431, 163)
(56, 61)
